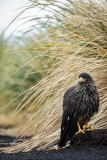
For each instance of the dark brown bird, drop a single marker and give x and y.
(79, 105)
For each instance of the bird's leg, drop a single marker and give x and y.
(88, 127)
(79, 129)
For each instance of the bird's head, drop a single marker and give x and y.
(85, 78)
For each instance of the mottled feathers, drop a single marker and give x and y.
(79, 105)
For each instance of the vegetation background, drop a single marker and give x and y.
(35, 70)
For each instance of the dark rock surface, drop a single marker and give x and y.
(91, 146)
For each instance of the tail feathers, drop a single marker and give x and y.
(67, 133)
(64, 137)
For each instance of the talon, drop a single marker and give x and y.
(79, 129)
(89, 127)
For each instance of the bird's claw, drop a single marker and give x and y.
(88, 127)
(80, 131)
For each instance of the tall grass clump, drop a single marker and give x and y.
(18, 72)
(76, 43)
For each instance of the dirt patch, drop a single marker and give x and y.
(91, 146)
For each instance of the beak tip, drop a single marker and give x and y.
(81, 79)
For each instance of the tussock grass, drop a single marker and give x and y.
(78, 45)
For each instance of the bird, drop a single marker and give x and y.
(80, 103)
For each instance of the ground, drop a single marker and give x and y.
(93, 146)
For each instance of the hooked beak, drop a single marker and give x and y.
(81, 79)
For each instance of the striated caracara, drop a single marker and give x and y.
(79, 105)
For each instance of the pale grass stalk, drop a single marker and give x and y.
(80, 46)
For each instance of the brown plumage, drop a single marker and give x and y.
(79, 105)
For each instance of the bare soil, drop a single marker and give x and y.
(89, 146)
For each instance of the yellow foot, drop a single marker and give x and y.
(88, 127)
(80, 131)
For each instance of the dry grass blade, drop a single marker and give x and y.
(79, 45)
